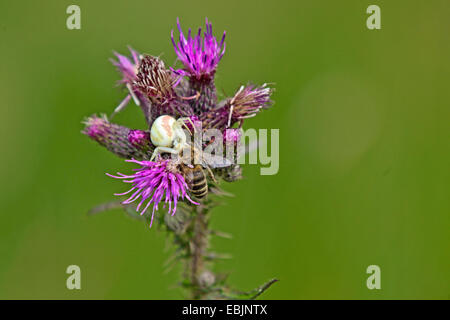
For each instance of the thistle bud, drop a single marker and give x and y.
(115, 138)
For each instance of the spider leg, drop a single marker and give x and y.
(181, 120)
(159, 150)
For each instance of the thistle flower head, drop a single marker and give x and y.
(116, 138)
(154, 80)
(126, 66)
(153, 183)
(156, 84)
(247, 102)
(200, 55)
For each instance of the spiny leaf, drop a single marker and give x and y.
(252, 295)
(178, 222)
(221, 234)
(217, 256)
(225, 293)
(129, 209)
(105, 207)
(132, 213)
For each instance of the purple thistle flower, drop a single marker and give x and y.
(188, 92)
(127, 67)
(199, 55)
(155, 182)
(189, 96)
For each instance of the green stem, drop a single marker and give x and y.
(198, 246)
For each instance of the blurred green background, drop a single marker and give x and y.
(364, 129)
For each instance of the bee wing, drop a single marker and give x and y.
(216, 161)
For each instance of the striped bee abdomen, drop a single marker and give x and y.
(196, 180)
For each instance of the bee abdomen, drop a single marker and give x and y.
(196, 181)
(199, 191)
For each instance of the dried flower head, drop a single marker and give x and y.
(155, 182)
(154, 80)
(157, 84)
(246, 103)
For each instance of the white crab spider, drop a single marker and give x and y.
(167, 135)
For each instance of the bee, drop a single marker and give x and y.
(196, 181)
(195, 174)
(168, 136)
